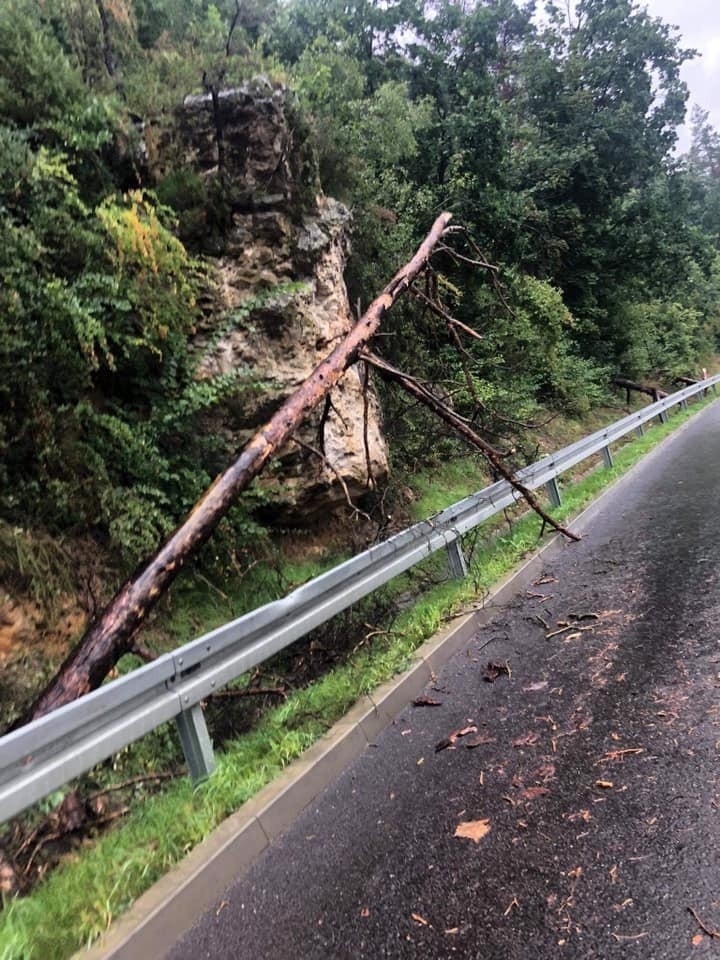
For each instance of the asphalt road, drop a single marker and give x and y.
(594, 766)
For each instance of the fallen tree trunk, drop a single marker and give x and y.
(426, 397)
(111, 635)
(688, 381)
(655, 392)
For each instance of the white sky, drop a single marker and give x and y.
(698, 22)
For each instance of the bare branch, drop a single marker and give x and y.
(413, 387)
(339, 476)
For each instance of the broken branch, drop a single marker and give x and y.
(109, 636)
(421, 393)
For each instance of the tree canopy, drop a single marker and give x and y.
(551, 138)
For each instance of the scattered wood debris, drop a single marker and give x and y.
(583, 815)
(495, 670)
(620, 754)
(541, 622)
(513, 903)
(420, 920)
(565, 628)
(479, 741)
(451, 739)
(532, 793)
(710, 931)
(527, 739)
(426, 702)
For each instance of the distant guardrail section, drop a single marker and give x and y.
(47, 753)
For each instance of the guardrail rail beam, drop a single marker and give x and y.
(49, 752)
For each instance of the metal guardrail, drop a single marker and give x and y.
(47, 753)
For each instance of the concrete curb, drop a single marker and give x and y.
(170, 907)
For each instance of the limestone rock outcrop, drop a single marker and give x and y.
(279, 302)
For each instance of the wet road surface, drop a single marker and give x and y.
(594, 764)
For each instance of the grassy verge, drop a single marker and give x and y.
(79, 900)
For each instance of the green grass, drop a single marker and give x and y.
(81, 898)
(438, 488)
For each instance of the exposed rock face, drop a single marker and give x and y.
(280, 299)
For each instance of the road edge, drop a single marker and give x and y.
(170, 907)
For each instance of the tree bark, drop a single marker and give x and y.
(106, 45)
(112, 633)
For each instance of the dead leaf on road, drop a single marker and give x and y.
(365, 912)
(604, 784)
(426, 702)
(473, 830)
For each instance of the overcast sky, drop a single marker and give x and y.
(699, 25)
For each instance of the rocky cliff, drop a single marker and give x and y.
(279, 304)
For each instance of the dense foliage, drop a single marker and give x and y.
(549, 136)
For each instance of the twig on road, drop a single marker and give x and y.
(710, 931)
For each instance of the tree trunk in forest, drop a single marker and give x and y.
(630, 385)
(687, 381)
(106, 45)
(111, 635)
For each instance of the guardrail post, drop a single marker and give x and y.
(456, 560)
(196, 743)
(553, 491)
(684, 404)
(607, 457)
(662, 416)
(640, 430)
